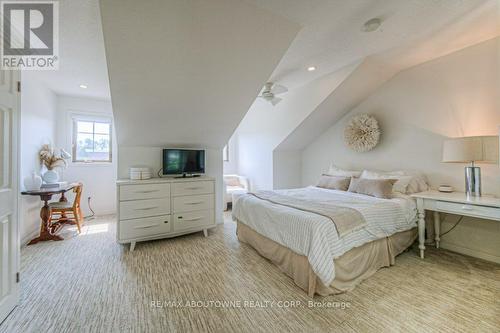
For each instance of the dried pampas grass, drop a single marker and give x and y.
(362, 133)
(49, 158)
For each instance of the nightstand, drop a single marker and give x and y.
(485, 207)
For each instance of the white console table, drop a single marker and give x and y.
(485, 207)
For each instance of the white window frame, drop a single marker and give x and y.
(225, 153)
(75, 117)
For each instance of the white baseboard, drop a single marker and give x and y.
(470, 252)
(26, 239)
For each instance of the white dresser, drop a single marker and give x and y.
(164, 207)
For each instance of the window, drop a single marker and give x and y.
(225, 154)
(91, 140)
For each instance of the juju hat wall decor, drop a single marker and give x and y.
(362, 133)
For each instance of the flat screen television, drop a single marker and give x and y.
(183, 162)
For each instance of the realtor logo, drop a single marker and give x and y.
(30, 35)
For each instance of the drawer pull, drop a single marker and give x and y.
(192, 219)
(467, 207)
(194, 188)
(146, 208)
(148, 191)
(147, 226)
(194, 203)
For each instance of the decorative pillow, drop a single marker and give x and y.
(334, 182)
(335, 171)
(232, 181)
(380, 188)
(418, 182)
(401, 181)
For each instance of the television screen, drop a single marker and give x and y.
(180, 161)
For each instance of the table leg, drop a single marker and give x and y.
(45, 233)
(437, 228)
(63, 198)
(421, 226)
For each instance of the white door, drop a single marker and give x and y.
(9, 235)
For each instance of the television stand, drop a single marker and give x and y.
(185, 175)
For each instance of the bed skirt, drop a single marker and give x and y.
(351, 268)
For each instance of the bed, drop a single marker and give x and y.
(296, 230)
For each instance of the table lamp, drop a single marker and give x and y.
(472, 149)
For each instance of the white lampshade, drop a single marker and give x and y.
(478, 149)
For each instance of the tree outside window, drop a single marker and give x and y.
(91, 141)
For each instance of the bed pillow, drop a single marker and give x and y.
(380, 188)
(335, 171)
(418, 182)
(401, 181)
(334, 182)
(232, 181)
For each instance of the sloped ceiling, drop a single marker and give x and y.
(364, 80)
(332, 35)
(276, 122)
(186, 71)
(81, 53)
(469, 23)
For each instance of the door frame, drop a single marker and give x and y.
(15, 183)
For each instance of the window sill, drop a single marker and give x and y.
(91, 164)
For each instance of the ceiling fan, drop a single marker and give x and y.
(271, 90)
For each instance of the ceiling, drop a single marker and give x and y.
(331, 37)
(185, 72)
(477, 26)
(81, 53)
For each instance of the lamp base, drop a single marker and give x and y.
(473, 181)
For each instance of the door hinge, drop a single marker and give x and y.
(17, 277)
(18, 86)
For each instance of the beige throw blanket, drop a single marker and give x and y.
(345, 219)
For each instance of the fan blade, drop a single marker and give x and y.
(278, 89)
(275, 100)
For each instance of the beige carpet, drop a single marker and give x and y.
(90, 283)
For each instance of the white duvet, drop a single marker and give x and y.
(315, 236)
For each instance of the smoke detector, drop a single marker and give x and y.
(371, 25)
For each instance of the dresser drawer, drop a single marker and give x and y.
(144, 208)
(471, 210)
(192, 188)
(193, 202)
(149, 226)
(146, 191)
(190, 220)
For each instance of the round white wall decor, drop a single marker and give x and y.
(362, 133)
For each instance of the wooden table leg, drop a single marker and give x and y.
(45, 233)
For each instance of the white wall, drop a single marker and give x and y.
(287, 169)
(231, 166)
(38, 119)
(456, 95)
(98, 178)
(152, 157)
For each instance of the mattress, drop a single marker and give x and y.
(314, 236)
